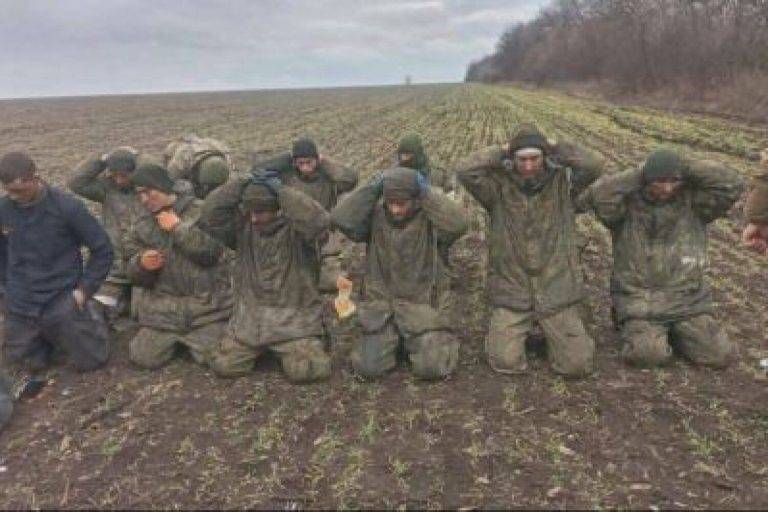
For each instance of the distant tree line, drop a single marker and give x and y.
(637, 44)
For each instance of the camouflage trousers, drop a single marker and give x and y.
(303, 360)
(6, 402)
(570, 348)
(433, 354)
(699, 339)
(153, 348)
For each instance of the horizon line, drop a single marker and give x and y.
(217, 91)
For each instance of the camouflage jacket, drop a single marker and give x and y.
(182, 157)
(756, 209)
(193, 289)
(405, 264)
(534, 263)
(660, 249)
(120, 209)
(276, 270)
(331, 180)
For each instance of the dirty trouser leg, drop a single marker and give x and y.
(570, 349)
(82, 334)
(375, 352)
(152, 348)
(203, 341)
(233, 358)
(505, 344)
(24, 345)
(646, 343)
(6, 402)
(303, 360)
(433, 354)
(703, 341)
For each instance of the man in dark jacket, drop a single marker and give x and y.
(411, 154)
(408, 227)
(48, 288)
(658, 216)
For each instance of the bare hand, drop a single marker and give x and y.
(755, 236)
(152, 260)
(168, 220)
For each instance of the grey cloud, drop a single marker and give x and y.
(50, 47)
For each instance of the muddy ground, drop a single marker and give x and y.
(678, 437)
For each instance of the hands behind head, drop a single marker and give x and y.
(152, 260)
(376, 182)
(269, 178)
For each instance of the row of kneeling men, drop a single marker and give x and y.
(232, 265)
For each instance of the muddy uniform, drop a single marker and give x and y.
(119, 209)
(660, 258)
(189, 300)
(202, 162)
(756, 209)
(329, 183)
(404, 294)
(534, 272)
(277, 305)
(437, 177)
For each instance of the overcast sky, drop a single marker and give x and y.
(69, 47)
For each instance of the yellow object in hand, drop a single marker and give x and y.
(343, 304)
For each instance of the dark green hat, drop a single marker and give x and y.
(400, 183)
(663, 164)
(152, 175)
(258, 198)
(304, 148)
(411, 143)
(121, 160)
(527, 135)
(214, 171)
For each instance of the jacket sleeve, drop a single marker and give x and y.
(607, 196)
(196, 244)
(756, 209)
(220, 212)
(134, 247)
(716, 188)
(586, 167)
(447, 216)
(91, 234)
(344, 177)
(88, 182)
(474, 173)
(307, 216)
(352, 216)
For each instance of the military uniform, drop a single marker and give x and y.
(534, 273)
(330, 181)
(660, 257)
(405, 290)
(277, 306)
(438, 177)
(203, 162)
(188, 301)
(119, 209)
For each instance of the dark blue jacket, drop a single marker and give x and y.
(44, 243)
